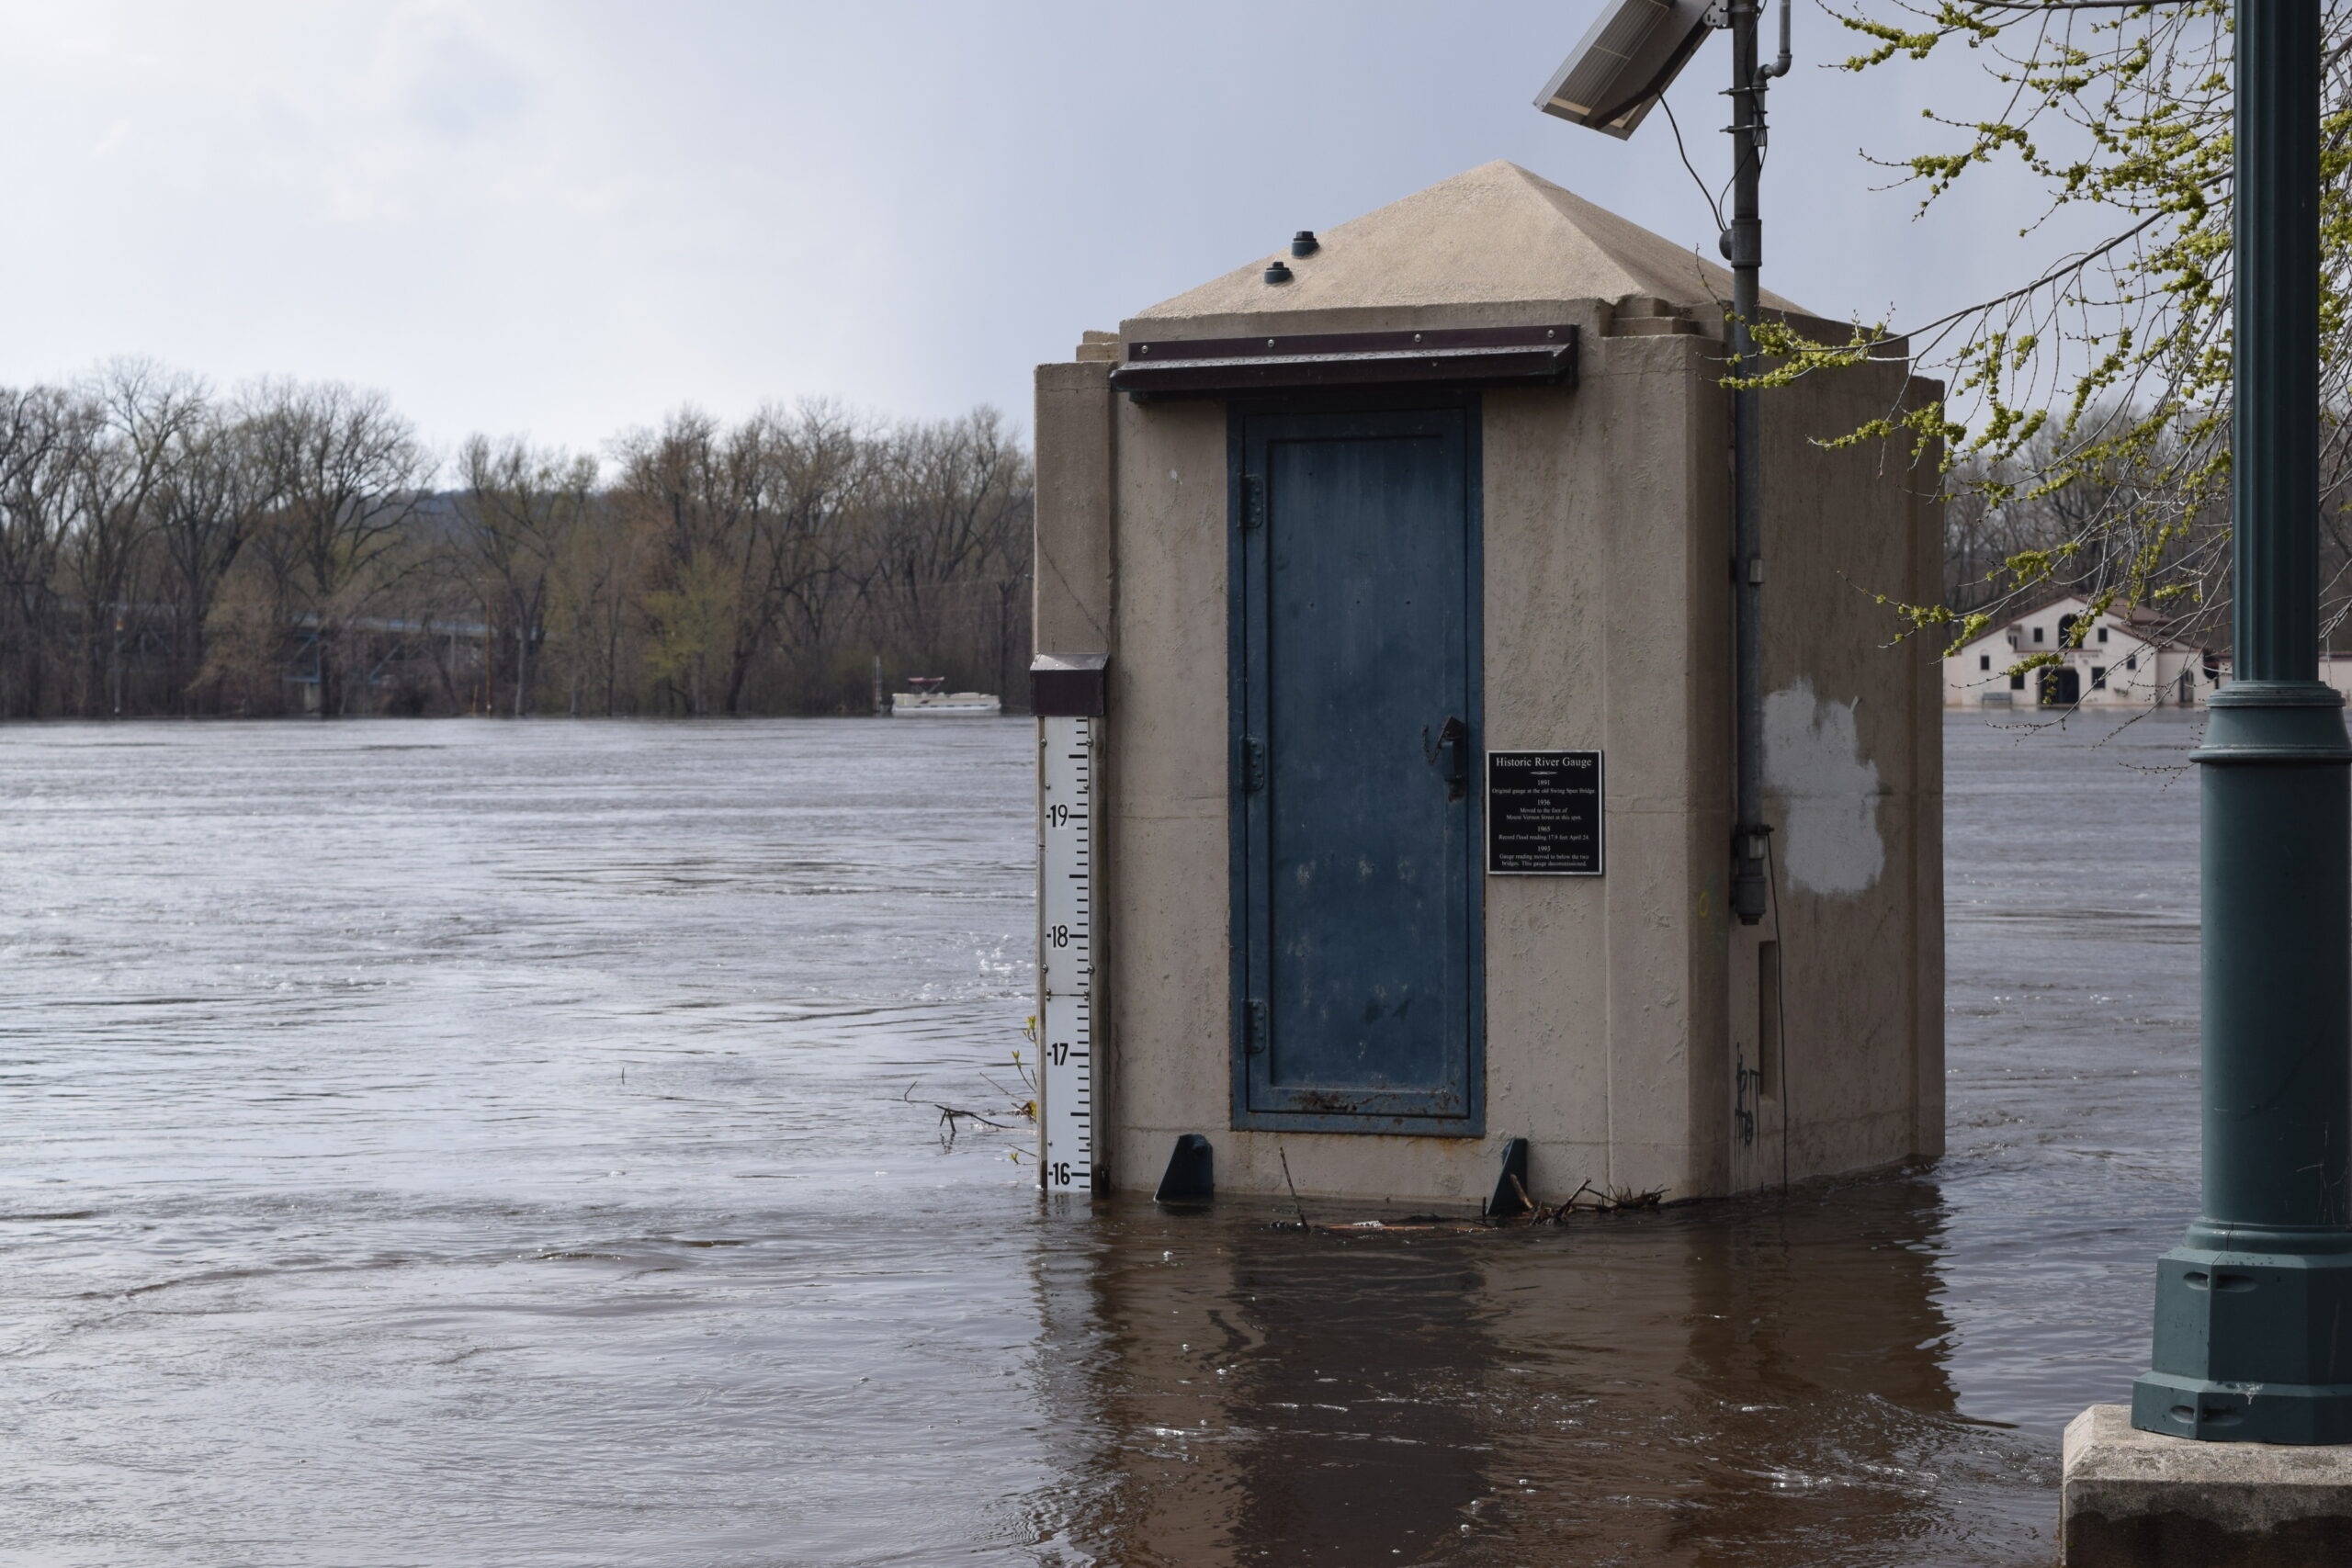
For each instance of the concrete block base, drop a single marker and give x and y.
(2136, 1499)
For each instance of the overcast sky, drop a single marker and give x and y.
(563, 218)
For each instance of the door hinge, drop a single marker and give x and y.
(1253, 502)
(1253, 765)
(1253, 1027)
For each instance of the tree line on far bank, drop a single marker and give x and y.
(297, 547)
(2123, 535)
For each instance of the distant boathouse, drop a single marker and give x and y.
(2124, 662)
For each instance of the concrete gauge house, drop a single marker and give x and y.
(2122, 663)
(1403, 557)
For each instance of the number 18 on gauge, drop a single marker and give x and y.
(1066, 775)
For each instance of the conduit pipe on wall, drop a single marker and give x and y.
(1743, 246)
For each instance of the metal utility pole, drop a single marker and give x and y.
(1615, 77)
(2254, 1310)
(1743, 246)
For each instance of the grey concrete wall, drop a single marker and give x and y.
(1073, 601)
(1854, 777)
(1617, 1007)
(1606, 628)
(1927, 908)
(1599, 520)
(1602, 541)
(1167, 974)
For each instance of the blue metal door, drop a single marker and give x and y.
(1358, 994)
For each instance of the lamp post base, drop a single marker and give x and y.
(2136, 1499)
(2252, 1347)
(2254, 1309)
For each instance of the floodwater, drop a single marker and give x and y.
(457, 1142)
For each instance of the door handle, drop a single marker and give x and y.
(1453, 756)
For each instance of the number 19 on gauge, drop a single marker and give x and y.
(1065, 953)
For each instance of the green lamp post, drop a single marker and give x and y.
(2254, 1310)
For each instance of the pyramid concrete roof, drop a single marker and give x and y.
(1496, 234)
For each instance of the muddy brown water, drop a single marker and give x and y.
(458, 1142)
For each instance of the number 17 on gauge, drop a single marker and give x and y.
(1065, 953)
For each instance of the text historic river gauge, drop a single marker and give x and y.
(1543, 814)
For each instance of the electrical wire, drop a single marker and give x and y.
(1714, 206)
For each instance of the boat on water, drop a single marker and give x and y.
(930, 700)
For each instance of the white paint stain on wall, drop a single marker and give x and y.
(1829, 793)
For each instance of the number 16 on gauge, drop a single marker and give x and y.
(1066, 954)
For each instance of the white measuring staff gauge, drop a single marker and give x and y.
(1066, 772)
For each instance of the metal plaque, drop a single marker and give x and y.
(1543, 814)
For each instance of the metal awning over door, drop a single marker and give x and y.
(1543, 354)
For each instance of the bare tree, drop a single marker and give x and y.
(164, 550)
(204, 506)
(750, 518)
(43, 432)
(952, 508)
(138, 416)
(519, 510)
(345, 472)
(817, 462)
